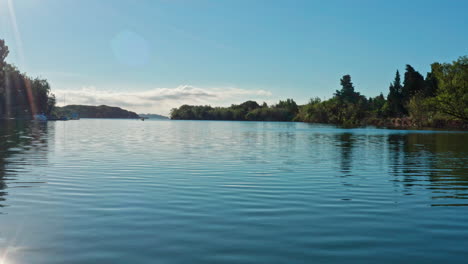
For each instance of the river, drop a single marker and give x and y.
(127, 191)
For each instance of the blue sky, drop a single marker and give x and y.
(150, 55)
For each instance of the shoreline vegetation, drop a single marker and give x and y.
(22, 97)
(440, 100)
(88, 111)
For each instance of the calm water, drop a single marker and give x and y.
(126, 191)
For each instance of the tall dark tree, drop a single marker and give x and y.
(430, 85)
(347, 93)
(347, 89)
(413, 84)
(395, 97)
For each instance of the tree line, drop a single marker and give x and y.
(88, 111)
(20, 95)
(439, 99)
(247, 111)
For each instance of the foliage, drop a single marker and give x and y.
(247, 111)
(420, 110)
(413, 84)
(425, 102)
(395, 106)
(3, 54)
(431, 85)
(347, 93)
(452, 94)
(376, 106)
(320, 112)
(269, 114)
(20, 95)
(289, 105)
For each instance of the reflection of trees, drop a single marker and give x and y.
(15, 137)
(346, 141)
(395, 144)
(403, 166)
(435, 161)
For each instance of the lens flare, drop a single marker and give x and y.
(19, 42)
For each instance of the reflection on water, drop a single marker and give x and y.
(123, 191)
(437, 162)
(18, 140)
(346, 142)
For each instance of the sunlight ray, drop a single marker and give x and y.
(29, 92)
(16, 32)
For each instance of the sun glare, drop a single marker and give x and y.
(3, 259)
(17, 35)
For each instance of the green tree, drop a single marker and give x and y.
(430, 85)
(289, 105)
(348, 106)
(249, 105)
(45, 101)
(376, 105)
(420, 110)
(317, 111)
(347, 93)
(413, 84)
(269, 114)
(395, 97)
(452, 94)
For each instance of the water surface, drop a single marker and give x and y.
(126, 191)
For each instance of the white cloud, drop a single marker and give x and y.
(160, 100)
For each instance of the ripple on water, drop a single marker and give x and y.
(122, 191)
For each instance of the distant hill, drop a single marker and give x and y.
(153, 116)
(88, 111)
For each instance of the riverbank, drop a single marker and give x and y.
(410, 123)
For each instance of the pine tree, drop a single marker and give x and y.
(395, 97)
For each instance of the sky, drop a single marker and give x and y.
(152, 55)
